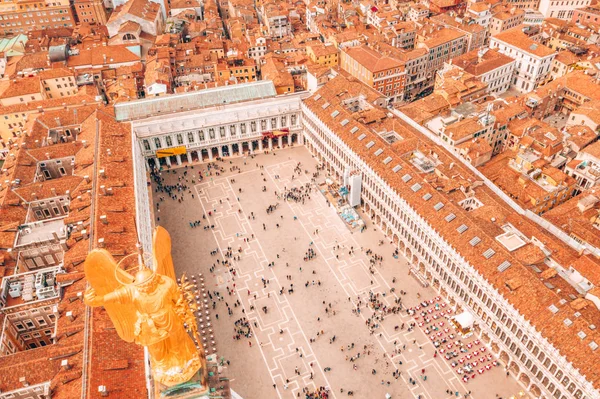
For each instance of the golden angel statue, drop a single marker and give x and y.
(149, 309)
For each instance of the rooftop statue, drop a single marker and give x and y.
(150, 309)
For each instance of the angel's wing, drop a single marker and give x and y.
(105, 276)
(161, 249)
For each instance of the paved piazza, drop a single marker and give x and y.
(287, 359)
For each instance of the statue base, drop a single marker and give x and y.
(192, 389)
(186, 390)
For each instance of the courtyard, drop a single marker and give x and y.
(317, 295)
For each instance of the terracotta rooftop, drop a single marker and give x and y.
(44, 364)
(372, 60)
(474, 64)
(23, 87)
(516, 38)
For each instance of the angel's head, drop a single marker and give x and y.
(145, 280)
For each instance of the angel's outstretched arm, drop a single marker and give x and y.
(120, 295)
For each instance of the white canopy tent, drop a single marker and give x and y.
(464, 320)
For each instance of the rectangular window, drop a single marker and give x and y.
(169, 141)
(190, 137)
(211, 133)
(179, 139)
(201, 135)
(232, 130)
(157, 143)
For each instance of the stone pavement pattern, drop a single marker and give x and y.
(287, 359)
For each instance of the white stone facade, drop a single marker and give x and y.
(530, 70)
(527, 354)
(223, 130)
(561, 9)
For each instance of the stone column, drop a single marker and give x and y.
(210, 155)
(270, 144)
(260, 145)
(241, 148)
(250, 147)
(189, 157)
(230, 149)
(168, 160)
(157, 163)
(280, 142)
(220, 151)
(178, 158)
(199, 153)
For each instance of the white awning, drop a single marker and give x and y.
(465, 320)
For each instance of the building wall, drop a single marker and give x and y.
(583, 15)
(17, 17)
(499, 79)
(92, 12)
(500, 25)
(60, 87)
(530, 70)
(22, 99)
(28, 329)
(230, 130)
(561, 9)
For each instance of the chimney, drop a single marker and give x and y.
(84, 234)
(64, 364)
(53, 191)
(102, 172)
(70, 316)
(104, 219)
(86, 178)
(85, 143)
(103, 189)
(100, 242)
(103, 391)
(23, 380)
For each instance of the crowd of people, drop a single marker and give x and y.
(375, 307)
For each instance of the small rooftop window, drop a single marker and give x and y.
(474, 241)
(489, 253)
(416, 187)
(344, 122)
(438, 206)
(396, 168)
(387, 160)
(450, 217)
(553, 309)
(335, 113)
(370, 144)
(354, 130)
(568, 322)
(462, 228)
(503, 266)
(427, 196)
(378, 152)
(362, 136)
(406, 178)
